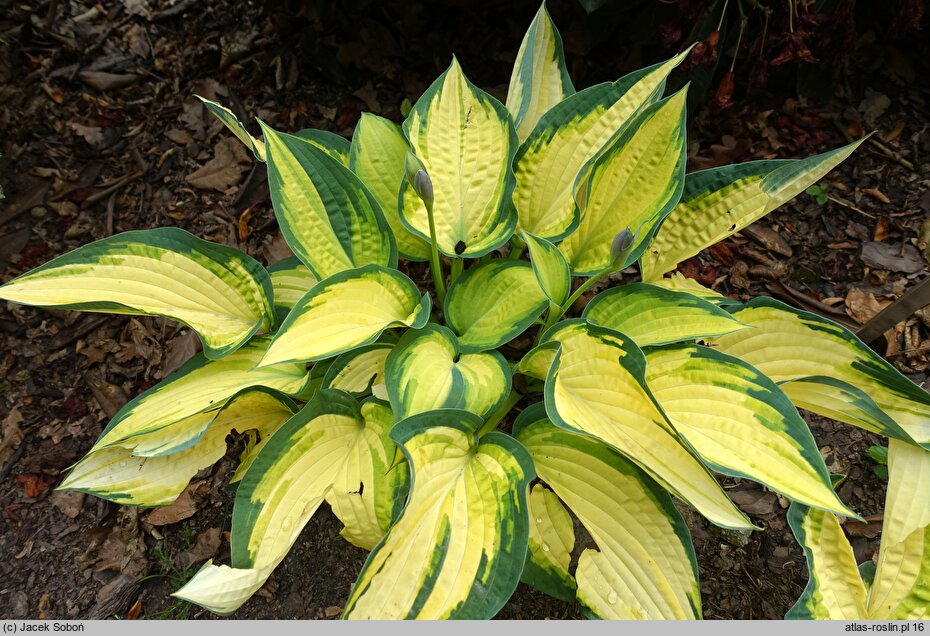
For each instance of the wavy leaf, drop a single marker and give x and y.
(740, 422)
(458, 548)
(330, 445)
(720, 201)
(347, 311)
(633, 182)
(327, 216)
(553, 272)
(426, 371)
(786, 344)
(219, 292)
(644, 567)
(596, 386)
(566, 137)
(552, 539)
(492, 303)
(652, 316)
(466, 141)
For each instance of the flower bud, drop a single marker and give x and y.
(621, 246)
(418, 178)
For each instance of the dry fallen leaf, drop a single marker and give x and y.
(205, 547)
(224, 170)
(69, 502)
(91, 134)
(110, 397)
(754, 502)
(134, 611)
(893, 257)
(10, 434)
(276, 249)
(863, 306)
(180, 350)
(33, 484)
(182, 508)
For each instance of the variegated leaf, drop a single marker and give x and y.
(466, 141)
(652, 316)
(597, 386)
(492, 303)
(426, 370)
(633, 182)
(720, 201)
(539, 79)
(458, 548)
(644, 567)
(347, 311)
(377, 156)
(566, 137)
(327, 216)
(222, 294)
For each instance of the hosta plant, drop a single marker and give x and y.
(456, 429)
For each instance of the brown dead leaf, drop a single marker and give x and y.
(205, 547)
(332, 611)
(11, 436)
(755, 502)
(108, 81)
(134, 611)
(876, 194)
(91, 134)
(69, 502)
(276, 249)
(181, 137)
(881, 230)
(117, 554)
(180, 350)
(863, 306)
(110, 397)
(33, 484)
(870, 529)
(224, 170)
(182, 508)
(768, 238)
(892, 256)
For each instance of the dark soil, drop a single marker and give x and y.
(86, 155)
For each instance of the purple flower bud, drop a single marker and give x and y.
(621, 246)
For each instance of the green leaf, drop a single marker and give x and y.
(466, 141)
(257, 146)
(539, 79)
(740, 422)
(492, 303)
(336, 146)
(129, 474)
(834, 588)
(552, 270)
(651, 315)
(901, 588)
(566, 137)
(198, 386)
(720, 201)
(786, 345)
(633, 182)
(644, 567)
(427, 370)
(327, 216)
(219, 292)
(597, 386)
(552, 539)
(460, 544)
(346, 311)
(377, 156)
(331, 446)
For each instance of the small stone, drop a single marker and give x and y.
(19, 605)
(38, 212)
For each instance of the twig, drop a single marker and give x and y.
(849, 206)
(8, 467)
(98, 196)
(901, 309)
(891, 154)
